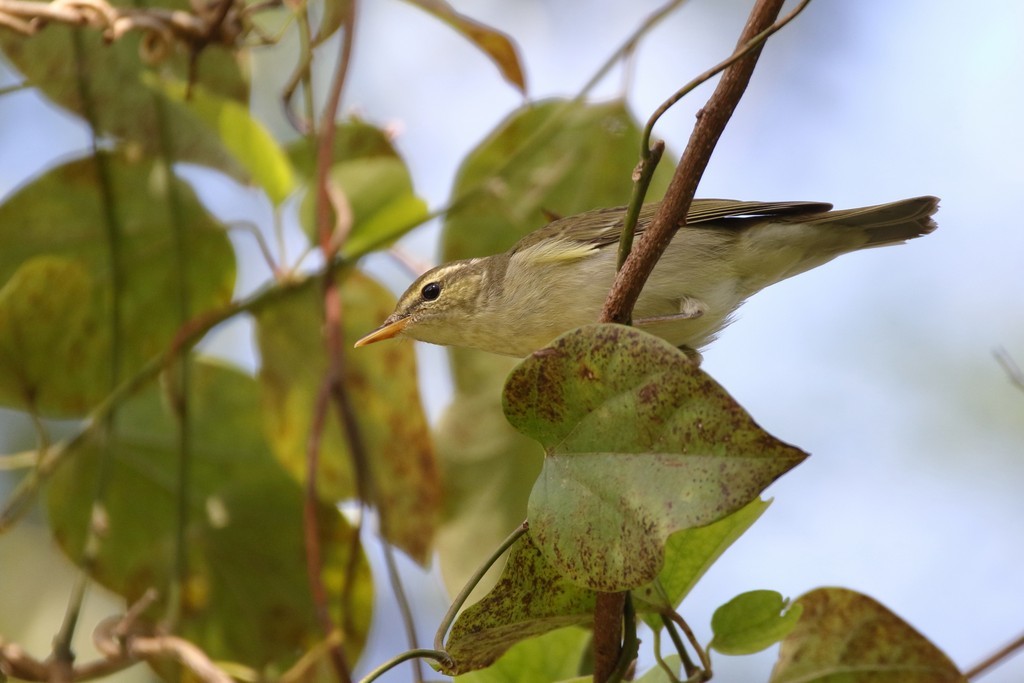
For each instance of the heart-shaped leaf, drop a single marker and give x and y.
(166, 244)
(640, 443)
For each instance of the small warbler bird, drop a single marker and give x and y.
(557, 278)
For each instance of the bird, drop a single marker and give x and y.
(557, 278)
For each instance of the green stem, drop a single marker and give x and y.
(643, 175)
(436, 655)
(662, 664)
(16, 87)
(705, 661)
(403, 605)
(475, 579)
(688, 666)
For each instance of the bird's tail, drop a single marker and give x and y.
(891, 223)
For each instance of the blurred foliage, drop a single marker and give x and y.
(175, 473)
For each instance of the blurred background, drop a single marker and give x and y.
(880, 364)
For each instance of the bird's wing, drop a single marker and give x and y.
(575, 236)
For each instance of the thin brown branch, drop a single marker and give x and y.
(711, 122)
(998, 657)
(311, 534)
(162, 26)
(123, 643)
(332, 388)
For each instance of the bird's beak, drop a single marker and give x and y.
(389, 329)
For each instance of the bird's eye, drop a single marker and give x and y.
(431, 291)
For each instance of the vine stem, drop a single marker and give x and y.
(332, 387)
(637, 266)
(438, 656)
(478, 575)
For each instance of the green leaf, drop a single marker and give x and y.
(384, 206)
(379, 192)
(688, 555)
(752, 621)
(555, 156)
(381, 384)
(549, 657)
(63, 214)
(657, 674)
(119, 104)
(560, 156)
(243, 136)
(48, 328)
(495, 44)
(846, 637)
(531, 598)
(246, 594)
(353, 139)
(640, 444)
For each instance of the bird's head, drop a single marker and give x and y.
(440, 307)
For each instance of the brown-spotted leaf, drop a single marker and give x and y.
(150, 217)
(495, 44)
(530, 598)
(558, 156)
(640, 444)
(381, 385)
(245, 594)
(846, 637)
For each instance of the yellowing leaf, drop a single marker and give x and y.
(495, 44)
(381, 383)
(242, 135)
(846, 636)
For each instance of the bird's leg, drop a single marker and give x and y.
(689, 308)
